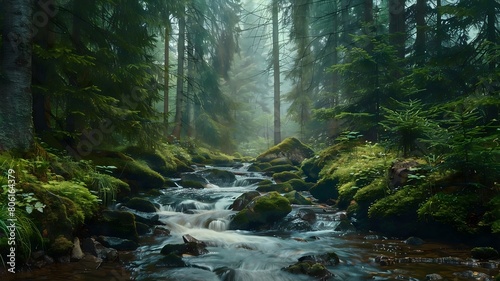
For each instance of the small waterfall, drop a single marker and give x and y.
(218, 225)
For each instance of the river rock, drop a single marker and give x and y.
(115, 224)
(242, 201)
(310, 268)
(261, 212)
(414, 241)
(433, 276)
(296, 198)
(290, 148)
(141, 205)
(117, 243)
(324, 259)
(194, 177)
(190, 248)
(171, 260)
(484, 253)
(307, 215)
(219, 177)
(325, 190)
(76, 253)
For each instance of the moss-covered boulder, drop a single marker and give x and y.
(285, 176)
(300, 184)
(278, 169)
(262, 212)
(296, 198)
(192, 184)
(290, 148)
(258, 167)
(137, 174)
(484, 253)
(278, 187)
(242, 201)
(61, 246)
(325, 190)
(141, 205)
(280, 161)
(115, 224)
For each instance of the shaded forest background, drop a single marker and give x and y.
(391, 70)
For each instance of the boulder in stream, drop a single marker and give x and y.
(219, 177)
(191, 246)
(325, 189)
(242, 201)
(261, 212)
(141, 205)
(290, 148)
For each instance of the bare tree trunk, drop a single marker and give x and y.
(397, 25)
(165, 81)
(179, 100)
(439, 29)
(16, 122)
(276, 70)
(420, 14)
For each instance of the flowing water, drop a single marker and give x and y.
(261, 255)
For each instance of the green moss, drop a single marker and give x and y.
(278, 187)
(369, 194)
(300, 184)
(346, 194)
(491, 217)
(192, 184)
(60, 246)
(141, 205)
(116, 224)
(290, 148)
(285, 176)
(280, 161)
(451, 209)
(279, 168)
(86, 202)
(296, 198)
(404, 201)
(325, 189)
(138, 175)
(484, 253)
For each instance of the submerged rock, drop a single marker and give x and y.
(219, 177)
(118, 243)
(311, 268)
(414, 241)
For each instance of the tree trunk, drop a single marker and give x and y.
(276, 70)
(166, 80)
(420, 14)
(179, 100)
(439, 29)
(16, 122)
(397, 26)
(190, 86)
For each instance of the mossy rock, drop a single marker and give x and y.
(372, 192)
(300, 184)
(61, 246)
(265, 182)
(262, 212)
(325, 190)
(192, 184)
(280, 161)
(242, 201)
(119, 224)
(153, 159)
(170, 183)
(278, 187)
(141, 205)
(138, 175)
(278, 169)
(142, 228)
(484, 253)
(296, 198)
(290, 148)
(285, 176)
(258, 167)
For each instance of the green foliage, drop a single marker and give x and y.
(406, 124)
(28, 237)
(492, 216)
(451, 209)
(402, 203)
(86, 202)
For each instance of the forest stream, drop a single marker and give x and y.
(204, 214)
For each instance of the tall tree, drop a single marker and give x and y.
(179, 100)
(16, 122)
(276, 73)
(397, 25)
